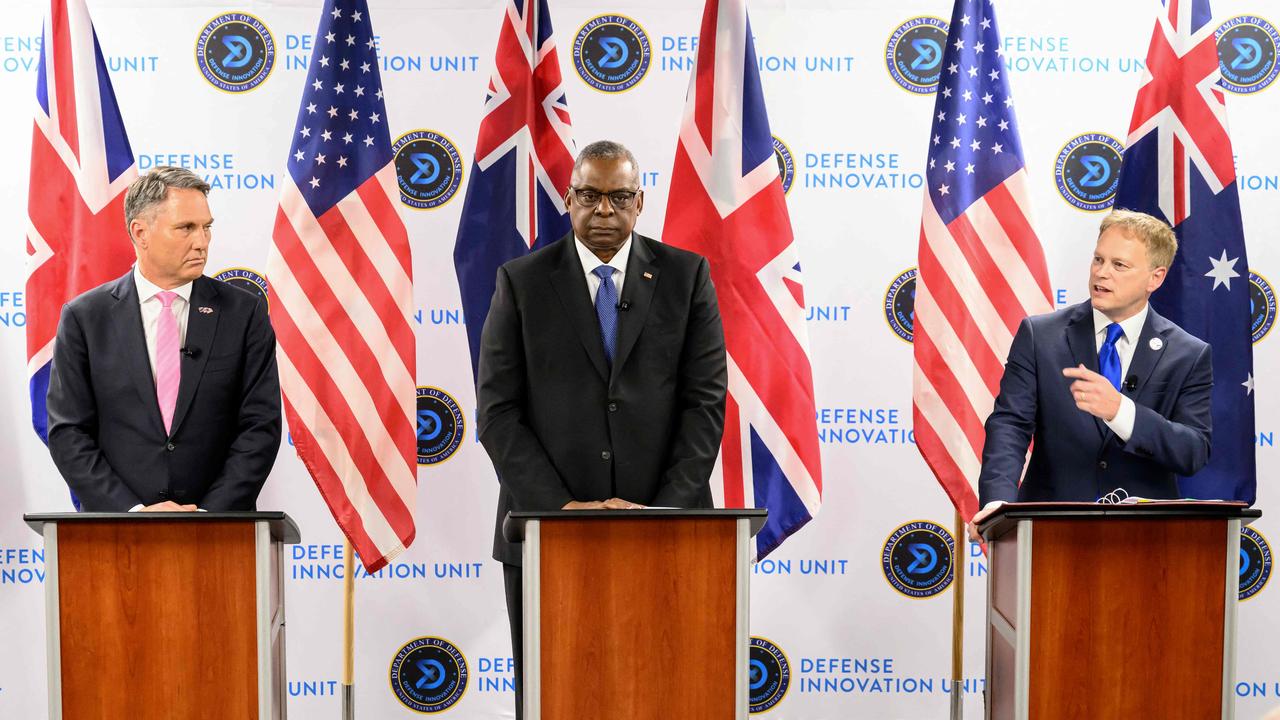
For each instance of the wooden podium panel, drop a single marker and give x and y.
(603, 656)
(1105, 611)
(1151, 584)
(159, 592)
(636, 614)
(165, 616)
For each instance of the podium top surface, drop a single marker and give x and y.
(1007, 516)
(282, 526)
(513, 524)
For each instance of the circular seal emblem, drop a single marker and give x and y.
(440, 426)
(1247, 53)
(786, 164)
(1087, 171)
(913, 54)
(1262, 306)
(917, 559)
(428, 169)
(235, 52)
(611, 53)
(429, 675)
(768, 675)
(900, 305)
(245, 279)
(1255, 562)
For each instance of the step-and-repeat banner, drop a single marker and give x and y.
(838, 634)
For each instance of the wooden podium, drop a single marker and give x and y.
(1112, 611)
(156, 616)
(635, 614)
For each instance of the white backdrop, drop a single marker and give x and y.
(823, 595)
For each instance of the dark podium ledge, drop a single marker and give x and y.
(282, 526)
(513, 524)
(1007, 516)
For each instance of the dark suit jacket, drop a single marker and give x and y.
(105, 430)
(560, 426)
(1076, 456)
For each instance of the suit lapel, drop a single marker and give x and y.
(126, 319)
(201, 328)
(1081, 338)
(1145, 357)
(642, 281)
(571, 287)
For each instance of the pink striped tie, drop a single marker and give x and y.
(168, 353)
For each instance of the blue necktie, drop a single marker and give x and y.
(607, 310)
(1108, 358)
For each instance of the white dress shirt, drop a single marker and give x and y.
(590, 262)
(1122, 423)
(150, 306)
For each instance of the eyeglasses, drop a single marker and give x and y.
(619, 199)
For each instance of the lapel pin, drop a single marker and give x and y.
(206, 310)
(1156, 343)
(648, 275)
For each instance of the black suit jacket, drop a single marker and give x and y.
(1076, 456)
(105, 431)
(560, 425)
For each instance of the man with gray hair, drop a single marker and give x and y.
(164, 393)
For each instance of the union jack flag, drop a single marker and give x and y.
(81, 165)
(524, 157)
(1179, 166)
(726, 203)
(341, 282)
(982, 269)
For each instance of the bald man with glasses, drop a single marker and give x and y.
(602, 373)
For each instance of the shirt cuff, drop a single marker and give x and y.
(1122, 423)
(136, 508)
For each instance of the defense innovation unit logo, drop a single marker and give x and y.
(1255, 562)
(768, 675)
(916, 559)
(1087, 171)
(611, 53)
(1262, 306)
(1247, 53)
(235, 52)
(428, 169)
(245, 279)
(440, 426)
(900, 305)
(786, 164)
(913, 54)
(429, 675)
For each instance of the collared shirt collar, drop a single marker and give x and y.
(1132, 326)
(590, 262)
(148, 289)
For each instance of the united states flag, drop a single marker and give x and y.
(524, 157)
(341, 283)
(1179, 166)
(81, 165)
(726, 203)
(981, 265)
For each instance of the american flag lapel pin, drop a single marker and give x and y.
(206, 310)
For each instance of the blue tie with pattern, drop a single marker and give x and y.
(1108, 358)
(607, 310)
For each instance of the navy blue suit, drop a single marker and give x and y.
(1076, 457)
(106, 434)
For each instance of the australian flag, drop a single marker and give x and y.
(1179, 167)
(524, 157)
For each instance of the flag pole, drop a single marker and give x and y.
(348, 632)
(957, 619)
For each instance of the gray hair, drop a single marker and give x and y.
(606, 150)
(153, 188)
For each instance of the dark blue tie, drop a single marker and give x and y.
(1108, 358)
(607, 310)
